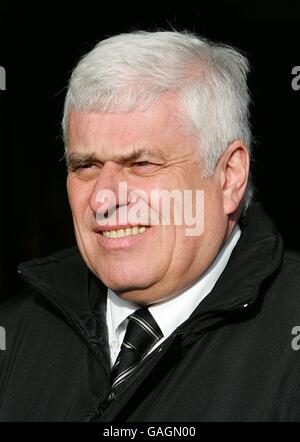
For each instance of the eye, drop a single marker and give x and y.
(78, 167)
(84, 170)
(142, 163)
(85, 166)
(145, 167)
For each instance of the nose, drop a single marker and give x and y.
(105, 198)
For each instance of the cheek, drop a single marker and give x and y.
(186, 244)
(181, 252)
(79, 196)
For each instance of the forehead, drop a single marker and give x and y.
(156, 128)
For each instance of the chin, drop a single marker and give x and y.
(135, 295)
(124, 278)
(123, 288)
(129, 289)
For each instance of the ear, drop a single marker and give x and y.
(234, 164)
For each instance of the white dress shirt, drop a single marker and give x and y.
(174, 311)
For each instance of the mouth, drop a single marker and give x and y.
(121, 233)
(123, 237)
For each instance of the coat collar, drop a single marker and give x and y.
(65, 281)
(256, 257)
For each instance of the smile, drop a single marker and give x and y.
(120, 233)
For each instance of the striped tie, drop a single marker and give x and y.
(141, 334)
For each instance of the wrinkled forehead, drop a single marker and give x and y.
(154, 131)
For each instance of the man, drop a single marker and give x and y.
(153, 319)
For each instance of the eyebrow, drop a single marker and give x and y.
(77, 158)
(134, 155)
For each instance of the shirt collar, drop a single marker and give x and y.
(171, 313)
(119, 309)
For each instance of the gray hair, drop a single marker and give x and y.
(135, 69)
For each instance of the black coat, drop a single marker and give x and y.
(232, 360)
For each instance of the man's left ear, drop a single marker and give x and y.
(235, 164)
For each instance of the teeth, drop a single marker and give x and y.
(123, 232)
(135, 230)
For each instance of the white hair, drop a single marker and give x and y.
(135, 69)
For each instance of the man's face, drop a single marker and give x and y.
(147, 150)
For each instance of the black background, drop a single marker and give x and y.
(39, 46)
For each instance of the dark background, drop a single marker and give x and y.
(39, 46)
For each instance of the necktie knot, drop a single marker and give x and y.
(142, 333)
